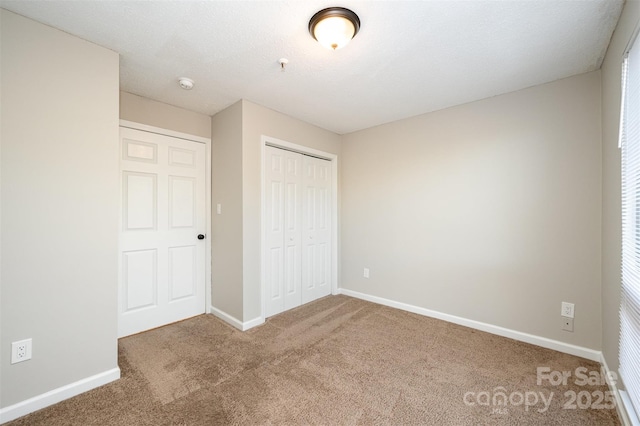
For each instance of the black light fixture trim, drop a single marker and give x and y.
(330, 12)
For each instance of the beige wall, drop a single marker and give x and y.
(226, 238)
(489, 211)
(153, 113)
(611, 200)
(59, 207)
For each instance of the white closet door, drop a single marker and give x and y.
(298, 229)
(283, 174)
(162, 260)
(316, 233)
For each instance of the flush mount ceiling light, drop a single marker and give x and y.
(185, 83)
(334, 27)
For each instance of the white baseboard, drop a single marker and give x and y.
(620, 406)
(253, 323)
(580, 351)
(39, 402)
(233, 321)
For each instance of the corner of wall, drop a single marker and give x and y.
(227, 228)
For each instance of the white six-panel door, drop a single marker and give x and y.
(162, 261)
(298, 229)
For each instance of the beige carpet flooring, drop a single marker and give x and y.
(336, 361)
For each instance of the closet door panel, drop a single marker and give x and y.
(316, 237)
(283, 216)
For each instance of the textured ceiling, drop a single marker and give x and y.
(409, 58)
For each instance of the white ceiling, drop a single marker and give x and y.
(409, 58)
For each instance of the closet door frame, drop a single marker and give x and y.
(333, 158)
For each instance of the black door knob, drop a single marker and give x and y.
(200, 237)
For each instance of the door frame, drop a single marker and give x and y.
(207, 143)
(333, 158)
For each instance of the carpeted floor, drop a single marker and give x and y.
(336, 361)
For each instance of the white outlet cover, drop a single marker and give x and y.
(21, 351)
(567, 310)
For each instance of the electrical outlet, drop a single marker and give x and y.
(366, 273)
(20, 351)
(567, 324)
(567, 310)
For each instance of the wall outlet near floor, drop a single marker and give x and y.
(567, 309)
(366, 273)
(567, 324)
(20, 351)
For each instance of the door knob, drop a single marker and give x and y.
(201, 236)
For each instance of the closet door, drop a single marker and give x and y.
(316, 233)
(283, 186)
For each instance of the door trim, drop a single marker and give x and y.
(289, 146)
(207, 143)
(164, 132)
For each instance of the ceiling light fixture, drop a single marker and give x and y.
(334, 27)
(185, 83)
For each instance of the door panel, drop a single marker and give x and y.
(139, 278)
(162, 263)
(135, 150)
(182, 272)
(283, 176)
(182, 157)
(182, 202)
(140, 200)
(274, 266)
(317, 229)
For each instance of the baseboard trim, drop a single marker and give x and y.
(253, 323)
(544, 342)
(620, 406)
(46, 399)
(234, 322)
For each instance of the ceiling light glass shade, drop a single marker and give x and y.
(334, 27)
